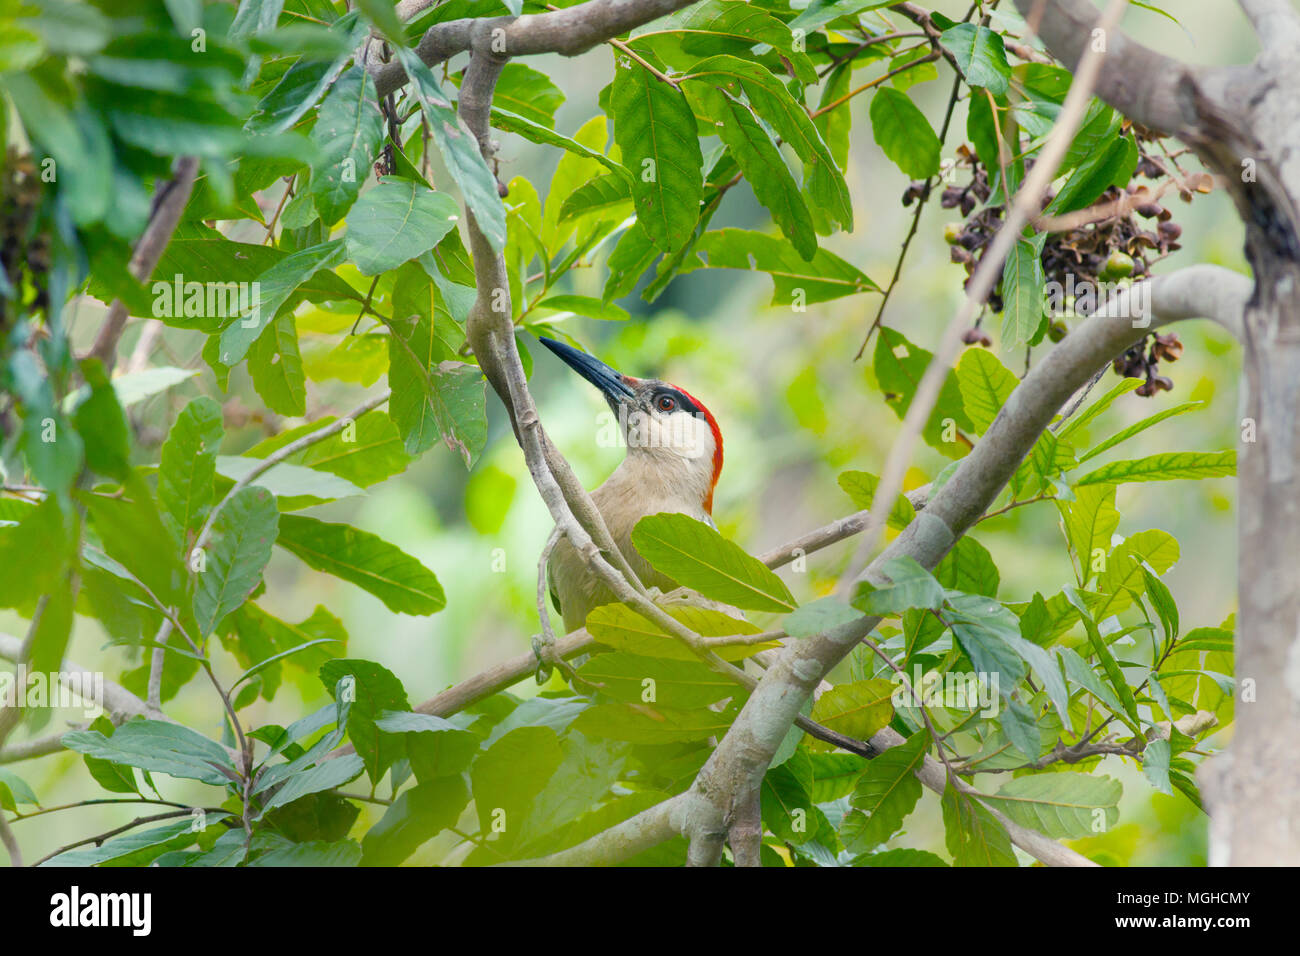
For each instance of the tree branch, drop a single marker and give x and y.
(1276, 23)
(569, 32)
(1155, 90)
(168, 205)
(28, 749)
(118, 701)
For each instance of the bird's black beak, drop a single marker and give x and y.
(611, 384)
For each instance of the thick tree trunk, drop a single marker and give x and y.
(1242, 122)
(1254, 789)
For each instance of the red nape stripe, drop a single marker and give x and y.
(717, 445)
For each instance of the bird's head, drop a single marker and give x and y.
(661, 423)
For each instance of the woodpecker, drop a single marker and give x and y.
(674, 457)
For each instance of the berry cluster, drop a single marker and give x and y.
(1142, 361)
(1122, 234)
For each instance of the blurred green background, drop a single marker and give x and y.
(795, 409)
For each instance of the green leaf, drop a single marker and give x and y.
(915, 73)
(900, 857)
(526, 92)
(773, 103)
(323, 776)
(140, 847)
(1155, 765)
(509, 775)
(242, 537)
(1060, 805)
(763, 167)
(399, 580)
(133, 387)
(159, 747)
(364, 453)
(1163, 602)
(986, 632)
(375, 691)
(861, 487)
(985, 385)
(384, 16)
(786, 804)
(205, 256)
(973, 836)
(260, 641)
(305, 81)
(1090, 520)
(1168, 466)
(655, 680)
(604, 194)
(899, 367)
(909, 585)
(857, 709)
(432, 394)
(584, 777)
(275, 365)
(698, 557)
(348, 131)
(583, 305)
(796, 281)
(967, 567)
(834, 775)
(619, 627)
(834, 125)
(460, 150)
(1122, 387)
(309, 853)
(655, 130)
(905, 135)
(1112, 164)
(276, 658)
(1113, 672)
(818, 616)
(544, 136)
(1123, 576)
(1022, 292)
(1020, 725)
(188, 465)
(1137, 428)
(723, 26)
(450, 401)
(818, 13)
(102, 425)
(980, 56)
(652, 723)
(14, 790)
(396, 221)
(1077, 670)
(288, 481)
(887, 792)
(415, 817)
(35, 553)
(275, 286)
(132, 533)
(983, 131)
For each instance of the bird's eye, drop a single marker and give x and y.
(666, 403)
